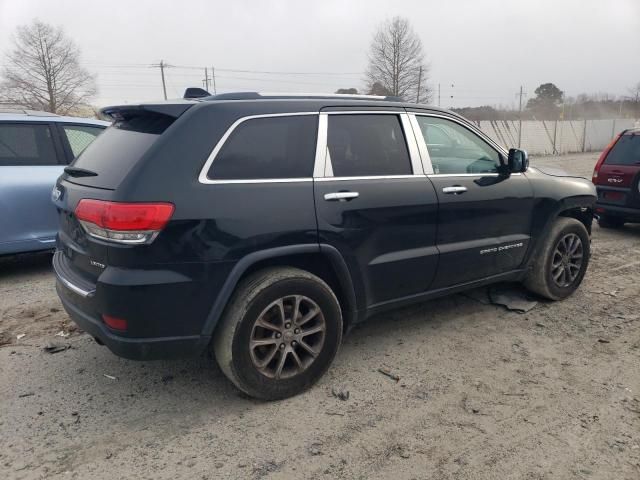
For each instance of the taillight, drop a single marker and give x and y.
(602, 158)
(130, 223)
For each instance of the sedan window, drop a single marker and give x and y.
(24, 144)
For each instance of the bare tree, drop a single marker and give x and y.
(43, 71)
(397, 62)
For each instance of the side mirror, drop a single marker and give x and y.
(518, 160)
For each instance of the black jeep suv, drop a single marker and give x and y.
(264, 227)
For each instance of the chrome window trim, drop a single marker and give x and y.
(324, 165)
(321, 146)
(422, 145)
(203, 177)
(368, 177)
(488, 174)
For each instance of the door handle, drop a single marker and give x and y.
(455, 190)
(340, 196)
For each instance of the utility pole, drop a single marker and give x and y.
(520, 118)
(206, 79)
(419, 85)
(162, 66)
(213, 77)
(438, 94)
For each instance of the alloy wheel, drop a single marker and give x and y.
(287, 337)
(567, 260)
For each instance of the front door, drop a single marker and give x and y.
(375, 205)
(484, 217)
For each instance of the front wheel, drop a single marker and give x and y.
(561, 262)
(279, 334)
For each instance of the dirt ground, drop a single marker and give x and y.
(483, 393)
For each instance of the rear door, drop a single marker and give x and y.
(30, 162)
(374, 203)
(619, 176)
(484, 217)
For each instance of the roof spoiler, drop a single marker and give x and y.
(122, 112)
(195, 92)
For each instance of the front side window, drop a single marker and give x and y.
(455, 149)
(270, 147)
(80, 137)
(367, 145)
(23, 144)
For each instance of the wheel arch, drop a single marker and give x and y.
(321, 260)
(578, 207)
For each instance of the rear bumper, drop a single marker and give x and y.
(132, 348)
(158, 305)
(630, 214)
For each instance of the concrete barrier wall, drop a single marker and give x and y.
(550, 137)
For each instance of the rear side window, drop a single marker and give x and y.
(80, 137)
(118, 148)
(367, 145)
(270, 147)
(626, 151)
(26, 144)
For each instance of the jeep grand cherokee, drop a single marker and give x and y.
(263, 227)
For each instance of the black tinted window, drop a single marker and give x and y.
(273, 147)
(367, 145)
(626, 151)
(26, 144)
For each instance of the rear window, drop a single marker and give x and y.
(626, 151)
(271, 147)
(115, 151)
(26, 144)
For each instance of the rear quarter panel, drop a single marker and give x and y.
(29, 219)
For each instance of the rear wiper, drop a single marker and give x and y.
(79, 172)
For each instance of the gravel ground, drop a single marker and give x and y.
(483, 393)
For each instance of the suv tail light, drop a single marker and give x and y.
(129, 223)
(602, 158)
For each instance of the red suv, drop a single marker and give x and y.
(617, 180)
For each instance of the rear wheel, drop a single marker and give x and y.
(279, 334)
(606, 221)
(562, 262)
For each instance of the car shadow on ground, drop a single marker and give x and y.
(24, 264)
(198, 383)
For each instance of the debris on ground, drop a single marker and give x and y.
(511, 296)
(110, 377)
(55, 347)
(340, 392)
(386, 372)
(61, 333)
(21, 336)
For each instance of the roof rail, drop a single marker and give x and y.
(282, 95)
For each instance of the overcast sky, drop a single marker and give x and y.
(485, 48)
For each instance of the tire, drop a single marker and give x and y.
(550, 260)
(610, 222)
(255, 305)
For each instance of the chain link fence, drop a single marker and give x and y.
(555, 137)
